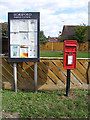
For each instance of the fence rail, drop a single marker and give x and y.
(51, 74)
(58, 46)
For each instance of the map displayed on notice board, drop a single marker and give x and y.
(23, 38)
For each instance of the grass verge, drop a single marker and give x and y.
(45, 104)
(60, 54)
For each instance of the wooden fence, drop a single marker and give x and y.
(58, 46)
(51, 74)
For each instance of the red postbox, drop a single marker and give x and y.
(70, 53)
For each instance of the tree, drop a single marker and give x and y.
(42, 38)
(4, 29)
(80, 34)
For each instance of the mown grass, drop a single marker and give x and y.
(60, 54)
(46, 104)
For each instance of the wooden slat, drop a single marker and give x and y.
(10, 65)
(22, 72)
(44, 68)
(3, 79)
(56, 71)
(46, 79)
(41, 79)
(84, 63)
(79, 76)
(41, 73)
(50, 58)
(88, 74)
(7, 75)
(28, 70)
(25, 66)
(31, 67)
(50, 73)
(61, 58)
(81, 69)
(31, 73)
(7, 66)
(74, 79)
(60, 66)
(27, 82)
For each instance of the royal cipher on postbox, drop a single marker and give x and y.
(70, 54)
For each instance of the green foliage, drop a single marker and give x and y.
(4, 29)
(81, 33)
(42, 38)
(46, 104)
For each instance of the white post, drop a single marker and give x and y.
(35, 77)
(15, 77)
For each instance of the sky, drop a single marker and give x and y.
(54, 14)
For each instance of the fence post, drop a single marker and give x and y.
(52, 46)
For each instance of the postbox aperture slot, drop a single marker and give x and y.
(70, 49)
(71, 45)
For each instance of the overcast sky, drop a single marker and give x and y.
(53, 13)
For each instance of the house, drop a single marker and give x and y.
(52, 39)
(67, 32)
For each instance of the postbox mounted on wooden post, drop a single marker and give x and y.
(70, 53)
